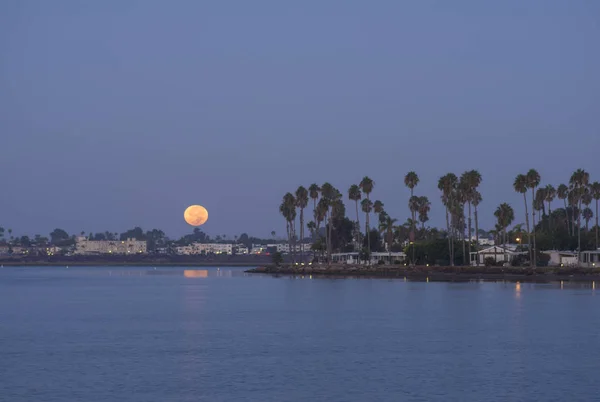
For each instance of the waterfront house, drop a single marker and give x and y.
(500, 254)
(590, 259)
(561, 258)
(354, 258)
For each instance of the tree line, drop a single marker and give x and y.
(558, 228)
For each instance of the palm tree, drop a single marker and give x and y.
(476, 200)
(533, 180)
(313, 193)
(367, 206)
(579, 182)
(471, 180)
(520, 186)
(321, 214)
(587, 216)
(301, 202)
(447, 184)
(387, 226)
(366, 185)
(505, 215)
(462, 196)
(273, 234)
(550, 195)
(562, 192)
(288, 211)
(595, 190)
(411, 180)
(378, 207)
(328, 193)
(355, 195)
(423, 209)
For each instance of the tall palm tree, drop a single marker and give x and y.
(366, 186)
(587, 216)
(579, 181)
(355, 195)
(321, 214)
(411, 180)
(288, 211)
(367, 207)
(337, 211)
(476, 201)
(471, 180)
(462, 197)
(520, 186)
(387, 226)
(378, 207)
(533, 180)
(313, 193)
(550, 196)
(423, 209)
(447, 185)
(505, 215)
(562, 192)
(301, 202)
(329, 193)
(595, 189)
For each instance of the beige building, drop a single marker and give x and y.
(83, 246)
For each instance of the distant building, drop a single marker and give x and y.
(211, 248)
(285, 248)
(561, 258)
(84, 246)
(499, 254)
(483, 241)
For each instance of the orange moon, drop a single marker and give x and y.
(195, 215)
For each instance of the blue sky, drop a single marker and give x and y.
(121, 113)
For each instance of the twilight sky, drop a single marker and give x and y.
(118, 113)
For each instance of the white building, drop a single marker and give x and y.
(240, 249)
(483, 241)
(500, 254)
(561, 258)
(353, 258)
(258, 249)
(590, 259)
(210, 248)
(83, 246)
(285, 248)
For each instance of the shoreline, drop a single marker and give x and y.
(437, 274)
(101, 264)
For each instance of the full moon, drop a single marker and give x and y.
(195, 215)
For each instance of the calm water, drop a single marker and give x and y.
(136, 334)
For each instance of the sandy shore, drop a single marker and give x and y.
(439, 274)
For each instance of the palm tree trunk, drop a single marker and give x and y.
(368, 236)
(534, 262)
(596, 224)
(449, 237)
(567, 214)
(549, 218)
(412, 215)
(302, 234)
(330, 229)
(469, 239)
(462, 230)
(357, 229)
(476, 236)
(504, 245)
(579, 233)
(528, 229)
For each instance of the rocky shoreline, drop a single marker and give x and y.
(435, 274)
